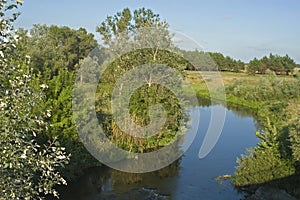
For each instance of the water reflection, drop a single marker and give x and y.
(105, 183)
(187, 178)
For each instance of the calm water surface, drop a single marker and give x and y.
(188, 178)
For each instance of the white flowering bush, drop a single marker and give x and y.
(28, 169)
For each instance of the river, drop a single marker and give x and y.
(188, 178)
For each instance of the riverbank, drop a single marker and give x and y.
(274, 101)
(187, 178)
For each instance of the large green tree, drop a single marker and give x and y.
(28, 168)
(53, 48)
(137, 38)
(56, 54)
(126, 22)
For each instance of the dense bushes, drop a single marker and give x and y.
(277, 154)
(28, 167)
(140, 102)
(55, 54)
(266, 162)
(269, 88)
(294, 133)
(261, 166)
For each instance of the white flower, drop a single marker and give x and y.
(23, 156)
(44, 86)
(2, 105)
(1, 54)
(61, 157)
(25, 76)
(48, 113)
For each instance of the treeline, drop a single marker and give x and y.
(208, 61)
(275, 63)
(211, 61)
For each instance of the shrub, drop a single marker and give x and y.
(260, 166)
(294, 133)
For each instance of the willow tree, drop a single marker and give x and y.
(134, 39)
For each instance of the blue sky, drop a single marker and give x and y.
(242, 29)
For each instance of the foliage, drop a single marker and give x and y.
(56, 53)
(268, 138)
(266, 162)
(140, 101)
(294, 134)
(127, 26)
(59, 99)
(254, 66)
(275, 155)
(8, 14)
(261, 166)
(297, 75)
(269, 88)
(226, 63)
(205, 61)
(29, 170)
(276, 63)
(199, 60)
(53, 48)
(125, 22)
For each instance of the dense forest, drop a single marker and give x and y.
(39, 139)
(205, 61)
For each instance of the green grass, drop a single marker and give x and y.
(278, 108)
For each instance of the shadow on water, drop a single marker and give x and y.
(106, 183)
(281, 188)
(187, 178)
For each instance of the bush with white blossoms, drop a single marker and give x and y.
(28, 170)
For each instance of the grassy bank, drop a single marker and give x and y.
(275, 100)
(199, 80)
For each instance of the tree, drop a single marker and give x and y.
(265, 162)
(200, 60)
(125, 22)
(254, 66)
(54, 48)
(58, 99)
(137, 38)
(275, 63)
(56, 53)
(29, 169)
(288, 64)
(227, 63)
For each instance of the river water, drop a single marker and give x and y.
(188, 178)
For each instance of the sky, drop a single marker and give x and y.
(242, 29)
